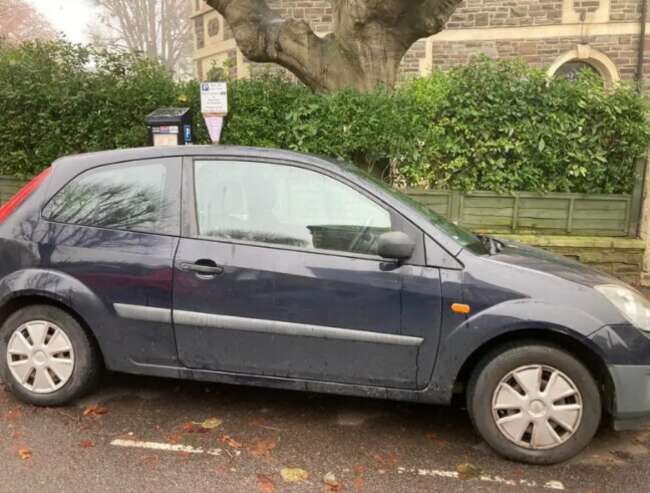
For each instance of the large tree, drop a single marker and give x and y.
(20, 22)
(365, 49)
(159, 29)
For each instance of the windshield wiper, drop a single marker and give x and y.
(492, 245)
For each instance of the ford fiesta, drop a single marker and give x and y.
(276, 269)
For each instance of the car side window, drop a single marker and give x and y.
(128, 197)
(285, 205)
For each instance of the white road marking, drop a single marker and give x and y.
(437, 473)
(168, 447)
(433, 473)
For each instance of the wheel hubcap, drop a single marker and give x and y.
(40, 357)
(537, 407)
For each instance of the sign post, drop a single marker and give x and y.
(214, 106)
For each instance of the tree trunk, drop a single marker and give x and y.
(365, 49)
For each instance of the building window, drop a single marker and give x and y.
(199, 29)
(213, 27)
(571, 70)
(584, 57)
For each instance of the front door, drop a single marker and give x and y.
(277, 275)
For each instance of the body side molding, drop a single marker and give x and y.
(227, 322)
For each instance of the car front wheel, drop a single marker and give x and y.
(46, 357)
(535, 404)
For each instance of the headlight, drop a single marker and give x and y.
(631, 304)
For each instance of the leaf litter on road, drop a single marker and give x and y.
(24, 453)
(212, 423)
(468, 471)
(95, 411)
(263, 448)
(265, 483)
(294, 475)
(231, 442)
(332, 483)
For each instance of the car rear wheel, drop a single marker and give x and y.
(534, 403)
(47, 358)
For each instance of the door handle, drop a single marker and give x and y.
(202, 268)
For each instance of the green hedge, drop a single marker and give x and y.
(489, 125)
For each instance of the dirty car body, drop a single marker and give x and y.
(264, 267)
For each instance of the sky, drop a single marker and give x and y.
(70, 17)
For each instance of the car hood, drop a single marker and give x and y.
(518, 254)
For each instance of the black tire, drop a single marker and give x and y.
(87, 360)
(497, 366)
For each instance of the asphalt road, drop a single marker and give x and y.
(142, 434)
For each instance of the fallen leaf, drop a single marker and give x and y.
(86, 444)
(262, 448)
(357, 483)
(192, 427)
(175, 438)
(265, 484)
(331, 483)
(294, 475)
(359, 469)
(211, 423)
(25, 453)
(230, 441)
(94, 411)
(468, 471)
(436, 439)
(151, 462)
(387, 459)
(14, 414)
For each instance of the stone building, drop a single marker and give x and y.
(558, 35)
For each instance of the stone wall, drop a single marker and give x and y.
(501, 13)
(620, 257)
(625, 10)
(621, 49)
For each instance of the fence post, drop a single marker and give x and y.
(456, 199)
(636, 205)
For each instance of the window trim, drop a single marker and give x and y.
(174, 168)
(189, 212)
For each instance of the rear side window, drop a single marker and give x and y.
(129, 197)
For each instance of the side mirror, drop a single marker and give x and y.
(396, 246)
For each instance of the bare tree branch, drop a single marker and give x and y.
(159, 29)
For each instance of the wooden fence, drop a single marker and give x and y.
(549, 214)
(8, 187)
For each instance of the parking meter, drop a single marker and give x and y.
(170, 127)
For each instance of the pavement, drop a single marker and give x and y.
(138, 434)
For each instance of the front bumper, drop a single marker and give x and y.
(632, 396)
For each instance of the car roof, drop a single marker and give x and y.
(81, 162)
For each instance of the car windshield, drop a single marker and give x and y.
(465, 238)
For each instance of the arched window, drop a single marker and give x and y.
(570, 70)
(584, 57)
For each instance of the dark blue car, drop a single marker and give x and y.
(271, 268)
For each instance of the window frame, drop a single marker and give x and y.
(172, 192)
(189, 214)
